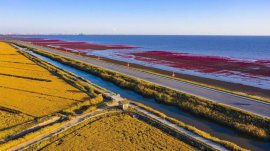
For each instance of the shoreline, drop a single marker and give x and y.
(250, 90)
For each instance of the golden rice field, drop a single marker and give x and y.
(30, 89)
(11, 119)
(119, 132)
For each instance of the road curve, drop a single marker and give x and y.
(251, 105)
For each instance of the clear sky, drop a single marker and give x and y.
(177, 17)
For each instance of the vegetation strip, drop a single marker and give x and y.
(20, 69)
(35, 93)
(208, 86)
(24, 77)
(239, 120)
(176, 133)
(203, 134)
(9, 110)
(18, 62)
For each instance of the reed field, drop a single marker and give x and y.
(118, 132)
(30, 89)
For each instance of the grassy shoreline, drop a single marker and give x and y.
(242, 121)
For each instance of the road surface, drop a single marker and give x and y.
(251, 105)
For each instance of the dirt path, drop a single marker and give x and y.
(31, 129)
(73, 122)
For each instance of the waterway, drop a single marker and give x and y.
(198, 122)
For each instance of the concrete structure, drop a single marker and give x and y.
(124, 104)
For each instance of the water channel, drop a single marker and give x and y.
(202, 124)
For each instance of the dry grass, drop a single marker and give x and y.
(119, 132)
(29, 88)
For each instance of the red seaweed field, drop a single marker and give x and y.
(207, 64)
(74, 46)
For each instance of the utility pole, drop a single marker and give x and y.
(173, 74)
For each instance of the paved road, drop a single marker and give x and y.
(257, 107)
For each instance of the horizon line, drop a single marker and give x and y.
(81, 34)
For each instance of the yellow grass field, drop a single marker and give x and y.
(118, 133)
(29, 88)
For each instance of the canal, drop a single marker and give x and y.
(198, 122)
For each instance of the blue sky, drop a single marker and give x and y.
(177, 17)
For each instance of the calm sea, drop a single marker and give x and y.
(243, 47)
